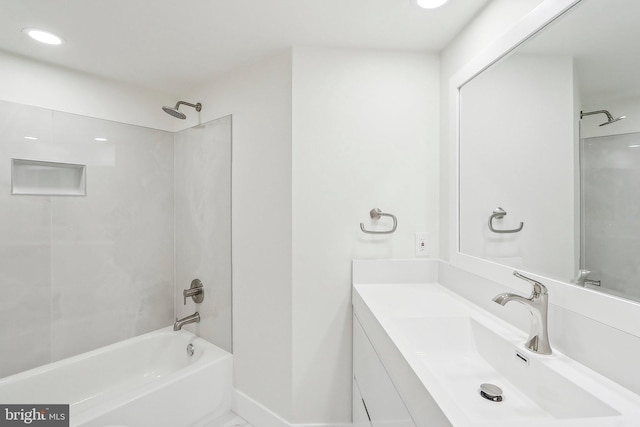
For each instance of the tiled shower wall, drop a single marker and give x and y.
(81, 272)
(203, 226)
(611, 211)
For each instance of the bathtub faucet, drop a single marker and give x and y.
(194, 318)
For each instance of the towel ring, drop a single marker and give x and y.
(499, 213)
(376, 214)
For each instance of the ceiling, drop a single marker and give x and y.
(173, 46)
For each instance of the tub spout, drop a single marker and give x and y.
(194, 318)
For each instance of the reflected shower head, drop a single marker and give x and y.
(179, 114)
(610, 118)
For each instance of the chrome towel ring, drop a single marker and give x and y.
(499, 213)
(376, 214)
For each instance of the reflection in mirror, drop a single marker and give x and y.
(531, 142)
(610, 246)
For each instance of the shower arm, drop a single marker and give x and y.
(197, 106)
(590, 113)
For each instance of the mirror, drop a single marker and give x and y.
(531, 144)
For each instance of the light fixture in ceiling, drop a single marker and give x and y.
(100, 139)
(431, 4)
(30, 138)
(43, 36)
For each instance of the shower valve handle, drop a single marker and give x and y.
(196, 292)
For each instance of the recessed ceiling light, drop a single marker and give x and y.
(31, 138)
(634, 146)
(43, 36)
(431, 4)
(100, 139)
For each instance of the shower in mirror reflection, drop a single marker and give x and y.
(610, 118)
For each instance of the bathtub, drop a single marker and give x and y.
(149, 380)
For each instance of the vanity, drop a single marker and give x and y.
(422, 353)
(543, 179)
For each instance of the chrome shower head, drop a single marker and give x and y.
(610, 118)
(179, 114)
(174, 112)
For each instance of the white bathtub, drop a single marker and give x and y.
(148, 380)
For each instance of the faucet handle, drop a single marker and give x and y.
(581, 277)
(538, 288)
(196, 292)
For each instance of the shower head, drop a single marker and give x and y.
(610, 118)
(179, 114)
(174, 112)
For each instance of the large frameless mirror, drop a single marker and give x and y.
(549, 171)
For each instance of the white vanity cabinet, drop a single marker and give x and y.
(376, 402)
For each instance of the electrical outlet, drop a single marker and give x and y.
(422, 241)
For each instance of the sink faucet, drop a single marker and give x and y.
(194, 318)
(538, 304)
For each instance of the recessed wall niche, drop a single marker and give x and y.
(34, 177)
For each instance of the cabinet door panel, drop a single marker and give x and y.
(360, 414)
(383, 403)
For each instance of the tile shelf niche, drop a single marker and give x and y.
(38, 178)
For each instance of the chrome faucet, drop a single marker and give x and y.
(194, 318)
(195, 292)
(538, 304)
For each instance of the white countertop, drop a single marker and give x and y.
(421, 325)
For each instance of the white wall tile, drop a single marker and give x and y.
(611, 211)
(203, 226)
(82, 272)
(25, 260)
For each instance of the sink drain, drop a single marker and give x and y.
(491, 392)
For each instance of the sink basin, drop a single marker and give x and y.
(461, 353)
(452, 347)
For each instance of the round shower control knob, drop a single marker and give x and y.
(196, 292)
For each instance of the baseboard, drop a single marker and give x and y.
(259, 416)
(323, 425)
(256, 414)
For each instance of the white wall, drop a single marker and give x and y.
(34, 83)
(519, 156)
(365, 135)
(320, 137)
(493, 21)
(259, 99)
